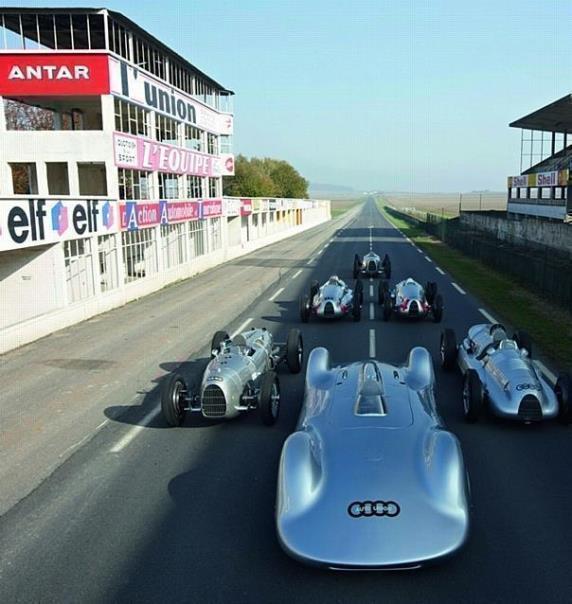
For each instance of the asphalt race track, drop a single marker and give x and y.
(143, 513)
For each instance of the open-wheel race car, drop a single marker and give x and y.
(409, 299)
(332, 300)
(499, 374)
(371, 265)
(371, 479)
(240, 376)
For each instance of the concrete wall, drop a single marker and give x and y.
(521, 230)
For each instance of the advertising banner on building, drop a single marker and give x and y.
(141, 214)
(133, 83)
(211, 208)
(246, 207)
(540, 179)
(54, 74)
(144, 154)
(232, 206)
(29, 222)
(227, 164)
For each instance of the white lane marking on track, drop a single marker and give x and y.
(275, 295)
(459, 289)
(487, 316)
(372, 343)
(371, 311)
(310, 261)
(547, 373)
(420, 251)
(441, 271)
(296, 273)
(133, 432)
(371, 279)
(371, 290)
(241, 328)
(428, 259)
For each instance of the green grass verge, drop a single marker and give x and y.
(339, 207)
(549, 326)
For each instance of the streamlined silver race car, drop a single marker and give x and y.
(371, 265)
(332, 300)
(499, 372)
(239, 377)
(371, 479)
(409, 299)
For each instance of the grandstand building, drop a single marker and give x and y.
(112, 153)
(544, 188)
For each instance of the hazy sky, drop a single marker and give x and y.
(401, 95)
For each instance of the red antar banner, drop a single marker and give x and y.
(30, 74)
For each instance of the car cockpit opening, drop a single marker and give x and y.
(370, 399)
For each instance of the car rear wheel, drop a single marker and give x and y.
(269, 398)
(294, 351)
(563, 391)
(218, 339)
(472, 396)
(314, 289)
(448, 349)
(305, 309)
(523, 341)
(438, 308)
(387, 308)
(357, 266)
(430, 292)
(387, 266)
(382, 292)
(358, 293)
(174, 395)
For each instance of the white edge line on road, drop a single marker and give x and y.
(547, 373)
(310, 261)
(439, 270)
(372, 343)
(487, 316)
(241, 328)
(133, 432)
(371, 311)
(459, 289)
(428, 259)
(296, 273)
(275, 295)
(371, 290)
(420, 251)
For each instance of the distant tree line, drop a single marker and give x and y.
(264, 178)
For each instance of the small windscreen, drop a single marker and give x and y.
(370, 404)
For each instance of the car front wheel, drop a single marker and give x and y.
(472, 396)
(269, 398)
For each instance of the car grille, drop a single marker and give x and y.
(414, 308)
(214, 403)
(329, 309)
(529, 409)
(372, 266)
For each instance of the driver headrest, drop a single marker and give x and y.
(239, 340)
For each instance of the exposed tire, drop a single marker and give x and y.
(358, 292)
(523, 340)
(472, 396)
(356, 311)
(563, 391)
(294, 351)
(173, 399)
(269, 398)
(382, 292)
(305, 309)
(314, 289)
(437, 308)
(448, 349)
(357, 264)
(387, 266)
(218, 339)
(430, 292)
(387, 309)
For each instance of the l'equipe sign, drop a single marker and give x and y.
(50, 74)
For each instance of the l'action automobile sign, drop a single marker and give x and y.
(48, 74)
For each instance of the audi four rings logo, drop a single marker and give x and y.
(357, 509)
(528, 387)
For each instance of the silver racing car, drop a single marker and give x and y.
(332, 300)
(239, 377)
(499, 372)
(371, 479)
(409, 299)
(371, 265)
